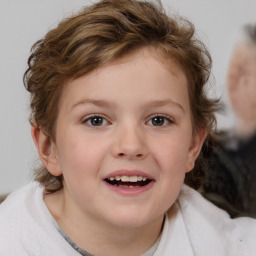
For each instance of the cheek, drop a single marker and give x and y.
(172, 154)
(80, 155)
(171, 159)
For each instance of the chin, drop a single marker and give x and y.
(133, 219)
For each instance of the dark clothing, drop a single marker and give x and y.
(230, 176)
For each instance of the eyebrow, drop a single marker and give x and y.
(153, 103)
(100, 103)
(160, 103)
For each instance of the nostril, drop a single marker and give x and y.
(136, 155)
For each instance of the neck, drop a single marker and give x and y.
(100, 238)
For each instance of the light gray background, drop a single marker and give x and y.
(22, 22)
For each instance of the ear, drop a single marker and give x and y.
(46, 149)
(195, 148)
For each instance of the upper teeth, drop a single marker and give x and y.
(128, 178)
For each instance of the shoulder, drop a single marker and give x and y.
(15, 216)
(206, 222)
(16, 199)
(16, 205)
(26, 226)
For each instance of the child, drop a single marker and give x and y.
(119, 115)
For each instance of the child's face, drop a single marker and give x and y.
(129, 119)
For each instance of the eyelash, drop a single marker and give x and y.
(91, 117)
(166, 118)
(88, 120)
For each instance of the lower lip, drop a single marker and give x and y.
(130, 191)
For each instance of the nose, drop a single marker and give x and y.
(129, 143)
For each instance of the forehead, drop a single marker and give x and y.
(141, 73)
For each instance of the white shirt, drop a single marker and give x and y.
(193, 226)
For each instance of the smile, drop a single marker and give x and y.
(128, 181)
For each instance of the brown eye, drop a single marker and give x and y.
(159, 121)
(95, 121)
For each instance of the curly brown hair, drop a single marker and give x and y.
(106, 31)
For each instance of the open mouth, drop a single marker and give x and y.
(128, 181)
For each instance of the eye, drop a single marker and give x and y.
(160, 120)
(96, 121)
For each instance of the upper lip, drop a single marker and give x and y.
(124, 172)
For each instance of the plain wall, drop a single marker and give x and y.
(23, 22)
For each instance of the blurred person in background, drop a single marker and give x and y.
(230, 177)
